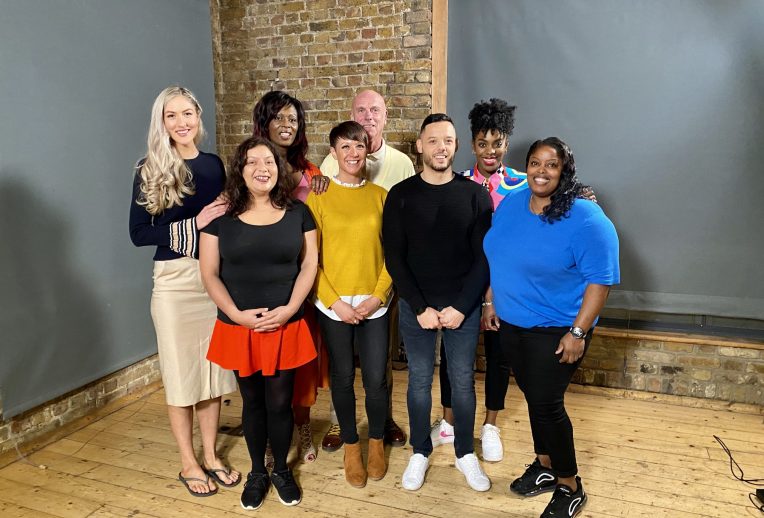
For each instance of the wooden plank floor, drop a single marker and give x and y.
(637, 458)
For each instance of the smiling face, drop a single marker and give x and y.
(489, 148)
(544, 169)
(260, 171)
(282, 129)
(369, 111)
(351, 158)
(437, 144)
(181, 120)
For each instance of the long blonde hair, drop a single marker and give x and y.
(165, 177)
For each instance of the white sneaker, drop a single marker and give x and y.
(490, 438)
(441, 433)
(413, 477)
(474, 474)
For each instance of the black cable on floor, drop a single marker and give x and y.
(735, 469)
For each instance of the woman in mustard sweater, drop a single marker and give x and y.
(352, 293)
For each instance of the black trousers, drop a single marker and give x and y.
(544, 380)
(373, 353)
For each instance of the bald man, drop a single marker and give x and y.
(385, 166)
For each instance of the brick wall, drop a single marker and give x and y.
(322, 52)
(78, 403)
(685, 366)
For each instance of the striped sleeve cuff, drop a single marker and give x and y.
(183, 237)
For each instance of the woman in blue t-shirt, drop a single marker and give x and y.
(552, 258)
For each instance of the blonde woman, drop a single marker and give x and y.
(175, 194)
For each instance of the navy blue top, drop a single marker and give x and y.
(147, 230)
(539, 271)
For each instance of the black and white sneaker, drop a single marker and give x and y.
(288, 490)
(566, 502)
(536, 480)
(255, 489)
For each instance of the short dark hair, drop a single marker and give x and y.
(266, 109)
(494, 115)
(433, 118)
(349, 130)
(236, 189)
(569, 187)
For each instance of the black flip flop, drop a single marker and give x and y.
(185, 481)
(218, 479)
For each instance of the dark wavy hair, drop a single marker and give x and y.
(569, 187)
(266, 109)
(349, 130)
(236, 189)
(494, 115)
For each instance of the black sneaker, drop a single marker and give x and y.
(536, 480)
(255, 489)
(566, 502)
(288, 490)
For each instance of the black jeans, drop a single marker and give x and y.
(544, 380)
(372, 352)
(267, 414)
(496, 373)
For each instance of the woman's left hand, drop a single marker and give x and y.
(368, 306)
(273, 319)
(572, 349)
(319, 184)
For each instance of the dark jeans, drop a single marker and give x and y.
(460, 345)
(496, 373)
(544, 380)
(266, 414)
(372, 352)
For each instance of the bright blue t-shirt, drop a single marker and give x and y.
(539, 271)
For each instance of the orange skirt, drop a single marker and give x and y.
(239, 348)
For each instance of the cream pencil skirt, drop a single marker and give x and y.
(183, 317)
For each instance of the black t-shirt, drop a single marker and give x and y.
(260, 263)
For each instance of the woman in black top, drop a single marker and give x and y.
(258, 264)
(175, 193)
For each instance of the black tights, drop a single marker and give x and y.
(267, 414)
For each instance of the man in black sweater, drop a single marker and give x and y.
(433, 228)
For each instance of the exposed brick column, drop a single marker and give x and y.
(322, 52)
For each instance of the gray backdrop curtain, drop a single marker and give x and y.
(77, 82)
(662, 104)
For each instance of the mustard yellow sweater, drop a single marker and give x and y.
(351, 259)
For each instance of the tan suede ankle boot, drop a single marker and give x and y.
(377, 465)
(355, 473)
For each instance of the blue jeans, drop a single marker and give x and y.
(460, 345)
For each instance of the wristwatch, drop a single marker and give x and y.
(577, 332)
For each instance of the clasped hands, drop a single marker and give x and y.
(355, 314)
(262, 320)
(447, 318)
